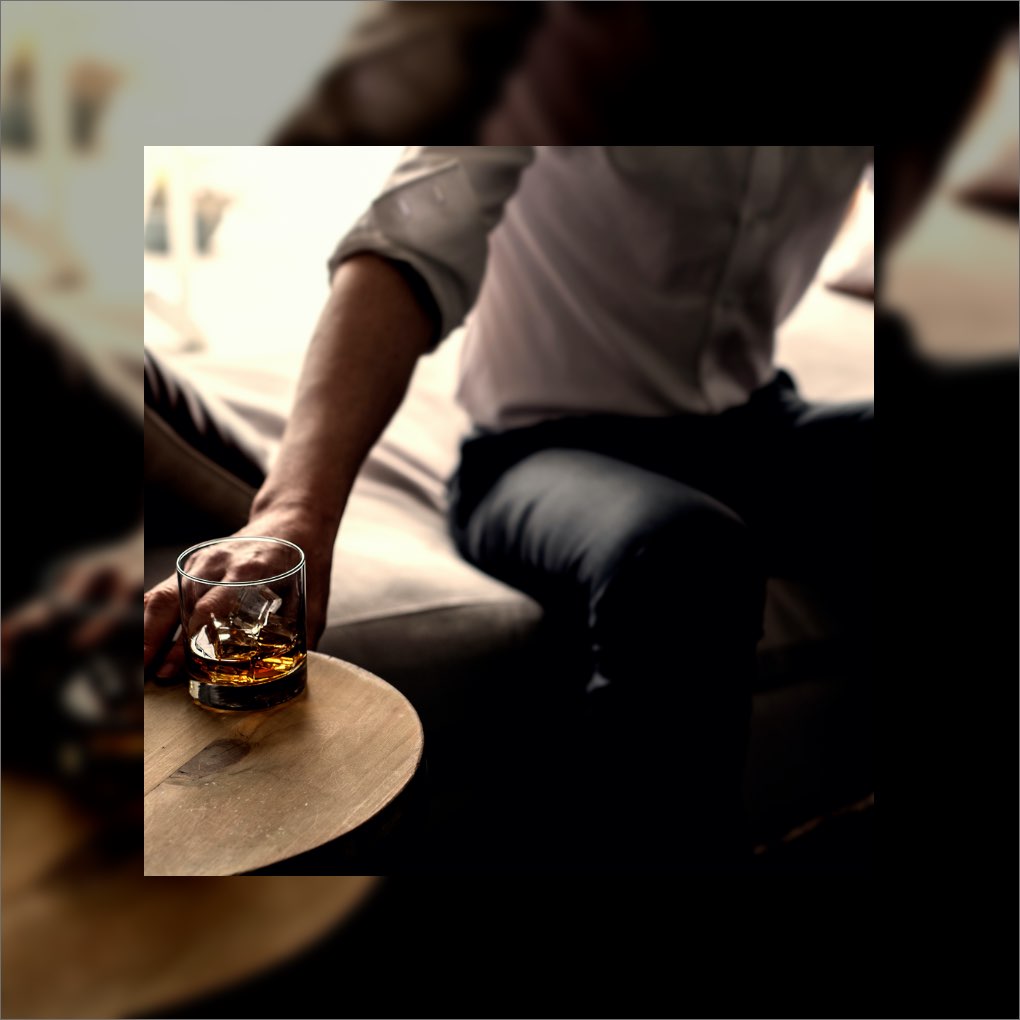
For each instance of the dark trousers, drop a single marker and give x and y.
(650, 540)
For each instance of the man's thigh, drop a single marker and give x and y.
(634, 556)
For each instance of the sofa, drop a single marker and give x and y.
(479, 661)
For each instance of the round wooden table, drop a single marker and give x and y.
(229, 793)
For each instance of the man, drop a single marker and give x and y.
(639, 465)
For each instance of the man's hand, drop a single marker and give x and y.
(164, 648)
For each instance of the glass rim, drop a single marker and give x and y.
(181, 572)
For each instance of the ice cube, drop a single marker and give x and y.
(252, 610)
(206, 642)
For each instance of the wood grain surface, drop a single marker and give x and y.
(226, 793)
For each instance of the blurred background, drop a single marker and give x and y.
(220, 225)
(117, 119)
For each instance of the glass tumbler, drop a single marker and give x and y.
(243, 621)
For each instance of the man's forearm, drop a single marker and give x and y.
(359, 362)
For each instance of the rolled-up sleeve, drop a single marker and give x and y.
(435, 213)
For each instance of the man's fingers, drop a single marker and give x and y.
(161, 617)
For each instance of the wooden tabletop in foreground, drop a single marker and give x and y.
(228, 793)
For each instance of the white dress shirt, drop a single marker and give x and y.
(611, 279)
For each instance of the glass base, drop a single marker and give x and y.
(249, 697)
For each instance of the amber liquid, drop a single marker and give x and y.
(234, 670)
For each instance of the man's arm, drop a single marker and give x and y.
(370, 334)
(431, 220)
(363, 351)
